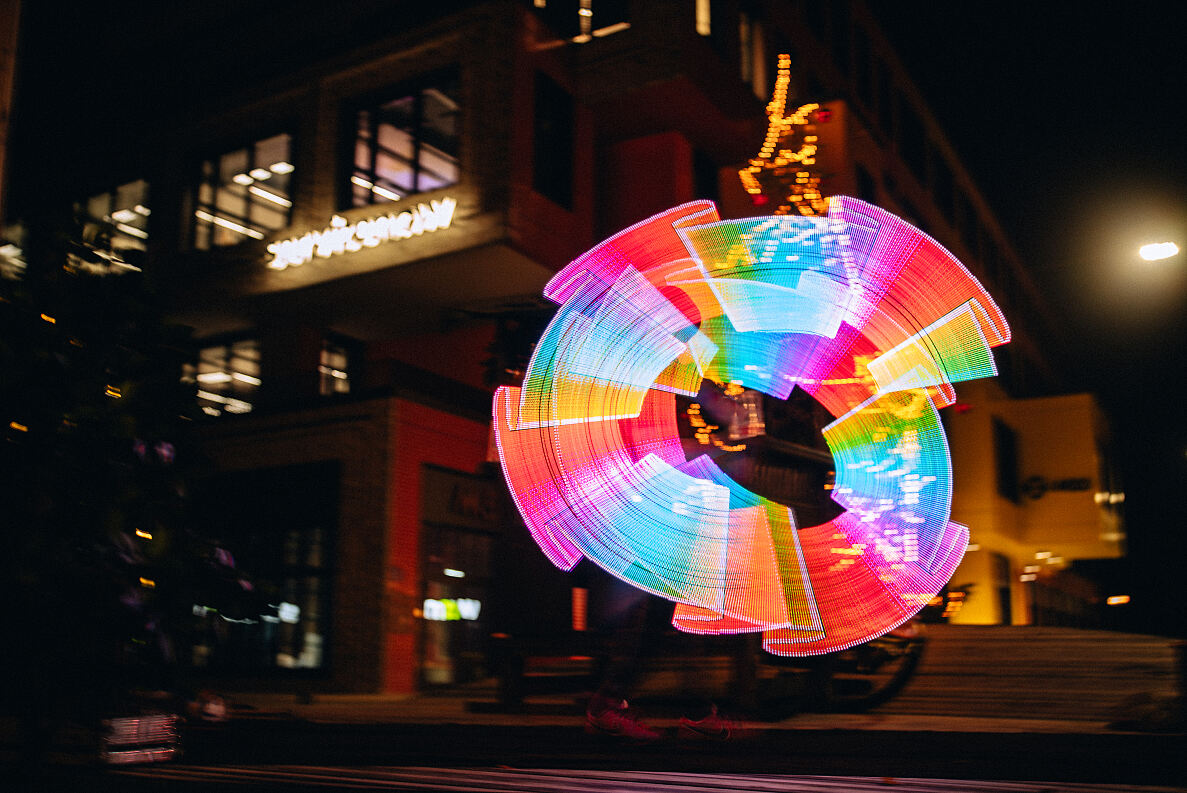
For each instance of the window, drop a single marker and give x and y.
(407, 144)
(333, 368)
(125, 210)
(227, 377)
(552, 144)
(244, 193)
(460, 515)
(752, 54)
(276, 528)
(704, 17)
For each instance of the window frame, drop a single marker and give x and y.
(213, 156)
(330, 386)
(371, 102)
(119, 228)
(192, 372)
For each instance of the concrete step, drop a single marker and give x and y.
(1041, 673)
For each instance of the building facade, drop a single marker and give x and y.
(360, 243)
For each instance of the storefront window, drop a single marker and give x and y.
(227, 376)
(244, 193)
(268, 603)
(461, 514)
(457, 580)
(124, 210)
(407, 143)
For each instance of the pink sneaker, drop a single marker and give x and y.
(619, 722)
(713, 727)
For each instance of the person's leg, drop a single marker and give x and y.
(621, 621)
(622, 618)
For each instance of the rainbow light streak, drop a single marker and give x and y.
(860, 309)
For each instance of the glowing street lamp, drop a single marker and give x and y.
(1154, 251)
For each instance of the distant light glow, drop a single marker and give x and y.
(782, 170)
(1117, 600)
(451, 609)
(863, 311)
(1158, 250)
(449, 571)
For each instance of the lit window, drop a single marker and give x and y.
(244, 193)
(333, 369)
(704, 17)
(227, 377)
(407, 144)
(124, 211)
(753, 54)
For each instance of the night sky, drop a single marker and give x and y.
(1071, 123)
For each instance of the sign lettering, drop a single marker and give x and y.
(341, 237)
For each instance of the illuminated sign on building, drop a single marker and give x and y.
(342, 237)
(449, 609)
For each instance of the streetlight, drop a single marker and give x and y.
(1154, 251)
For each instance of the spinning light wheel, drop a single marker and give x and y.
(860, 309)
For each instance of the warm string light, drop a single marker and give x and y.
(862, 310)
(790, 146)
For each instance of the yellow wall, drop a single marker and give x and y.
(1058, 438)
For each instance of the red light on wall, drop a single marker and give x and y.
(823, 116)
(580, 608)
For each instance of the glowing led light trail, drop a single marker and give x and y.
(858, 308)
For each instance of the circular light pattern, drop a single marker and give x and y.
(860, 309)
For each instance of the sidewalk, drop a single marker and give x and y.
(476, 706)
(460, 728)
